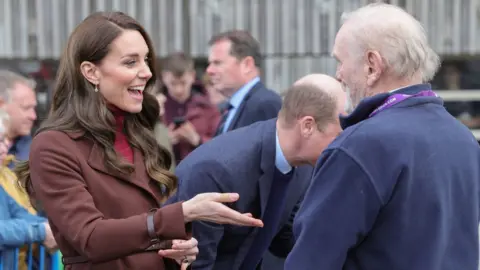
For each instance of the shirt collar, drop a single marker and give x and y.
(238, 97)
(281, 162)
(369, 104)
(395, 90)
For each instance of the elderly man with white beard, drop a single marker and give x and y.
(399, 188)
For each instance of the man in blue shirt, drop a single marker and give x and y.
(269, 164)
(399, 188)
(234, 69)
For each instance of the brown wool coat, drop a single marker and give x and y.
(97, 214)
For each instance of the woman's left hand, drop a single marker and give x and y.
(182, 251)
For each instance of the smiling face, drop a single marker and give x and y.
(122, 75)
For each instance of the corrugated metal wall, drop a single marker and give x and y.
(296, 35)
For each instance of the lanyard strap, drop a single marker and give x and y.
(397, 98)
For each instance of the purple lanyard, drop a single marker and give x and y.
(397, 98)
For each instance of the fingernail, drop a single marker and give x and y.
(234, 195)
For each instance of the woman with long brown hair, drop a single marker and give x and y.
(95, 166)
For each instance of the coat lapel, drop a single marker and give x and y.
(267, 163)
(139, 178)
(242, 106)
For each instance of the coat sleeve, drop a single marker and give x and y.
(339, 210)
(60, 188)
(203, 180)
(22, 228)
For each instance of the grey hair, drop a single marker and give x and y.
(8, 79)
(4, 119)
(397, 36)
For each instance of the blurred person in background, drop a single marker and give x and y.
(9, 179)
(96, 167)
(215, 96)
(19, 225)
(161, 131)
(468, 112)
(234, 70)
(269, 163)
(399, 188)
(189, 115)
(19, 100)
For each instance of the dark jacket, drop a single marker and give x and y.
(241, 161)
(259, 104)
(95, 213)
(396, 191)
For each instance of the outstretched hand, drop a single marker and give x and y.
(210, 207)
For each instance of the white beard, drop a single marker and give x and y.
(348, 103)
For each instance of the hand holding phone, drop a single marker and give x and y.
(178, 121)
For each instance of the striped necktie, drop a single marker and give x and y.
(224, 109)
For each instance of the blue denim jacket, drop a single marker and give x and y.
(17, 227)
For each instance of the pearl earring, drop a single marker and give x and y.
(96, 89)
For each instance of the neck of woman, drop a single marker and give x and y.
(121, 144)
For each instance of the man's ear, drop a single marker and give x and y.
(307, 126)
(376, 66)
(90, 72)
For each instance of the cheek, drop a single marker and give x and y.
(347, 74)
(231, 73)
(120, 77)
(114, 83)
(220, 70)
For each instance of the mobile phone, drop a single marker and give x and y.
(178, 121)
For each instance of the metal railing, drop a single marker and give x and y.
(461, 95)
(54, 262)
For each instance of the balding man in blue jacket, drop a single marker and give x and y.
(269, 164)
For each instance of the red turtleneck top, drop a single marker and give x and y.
(121, 143)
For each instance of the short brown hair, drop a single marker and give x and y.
(243, 44)
(178, 64)
(308, 100)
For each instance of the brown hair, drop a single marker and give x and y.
(178, 64)
(243, 45)
(308, 100)
(76, 107)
